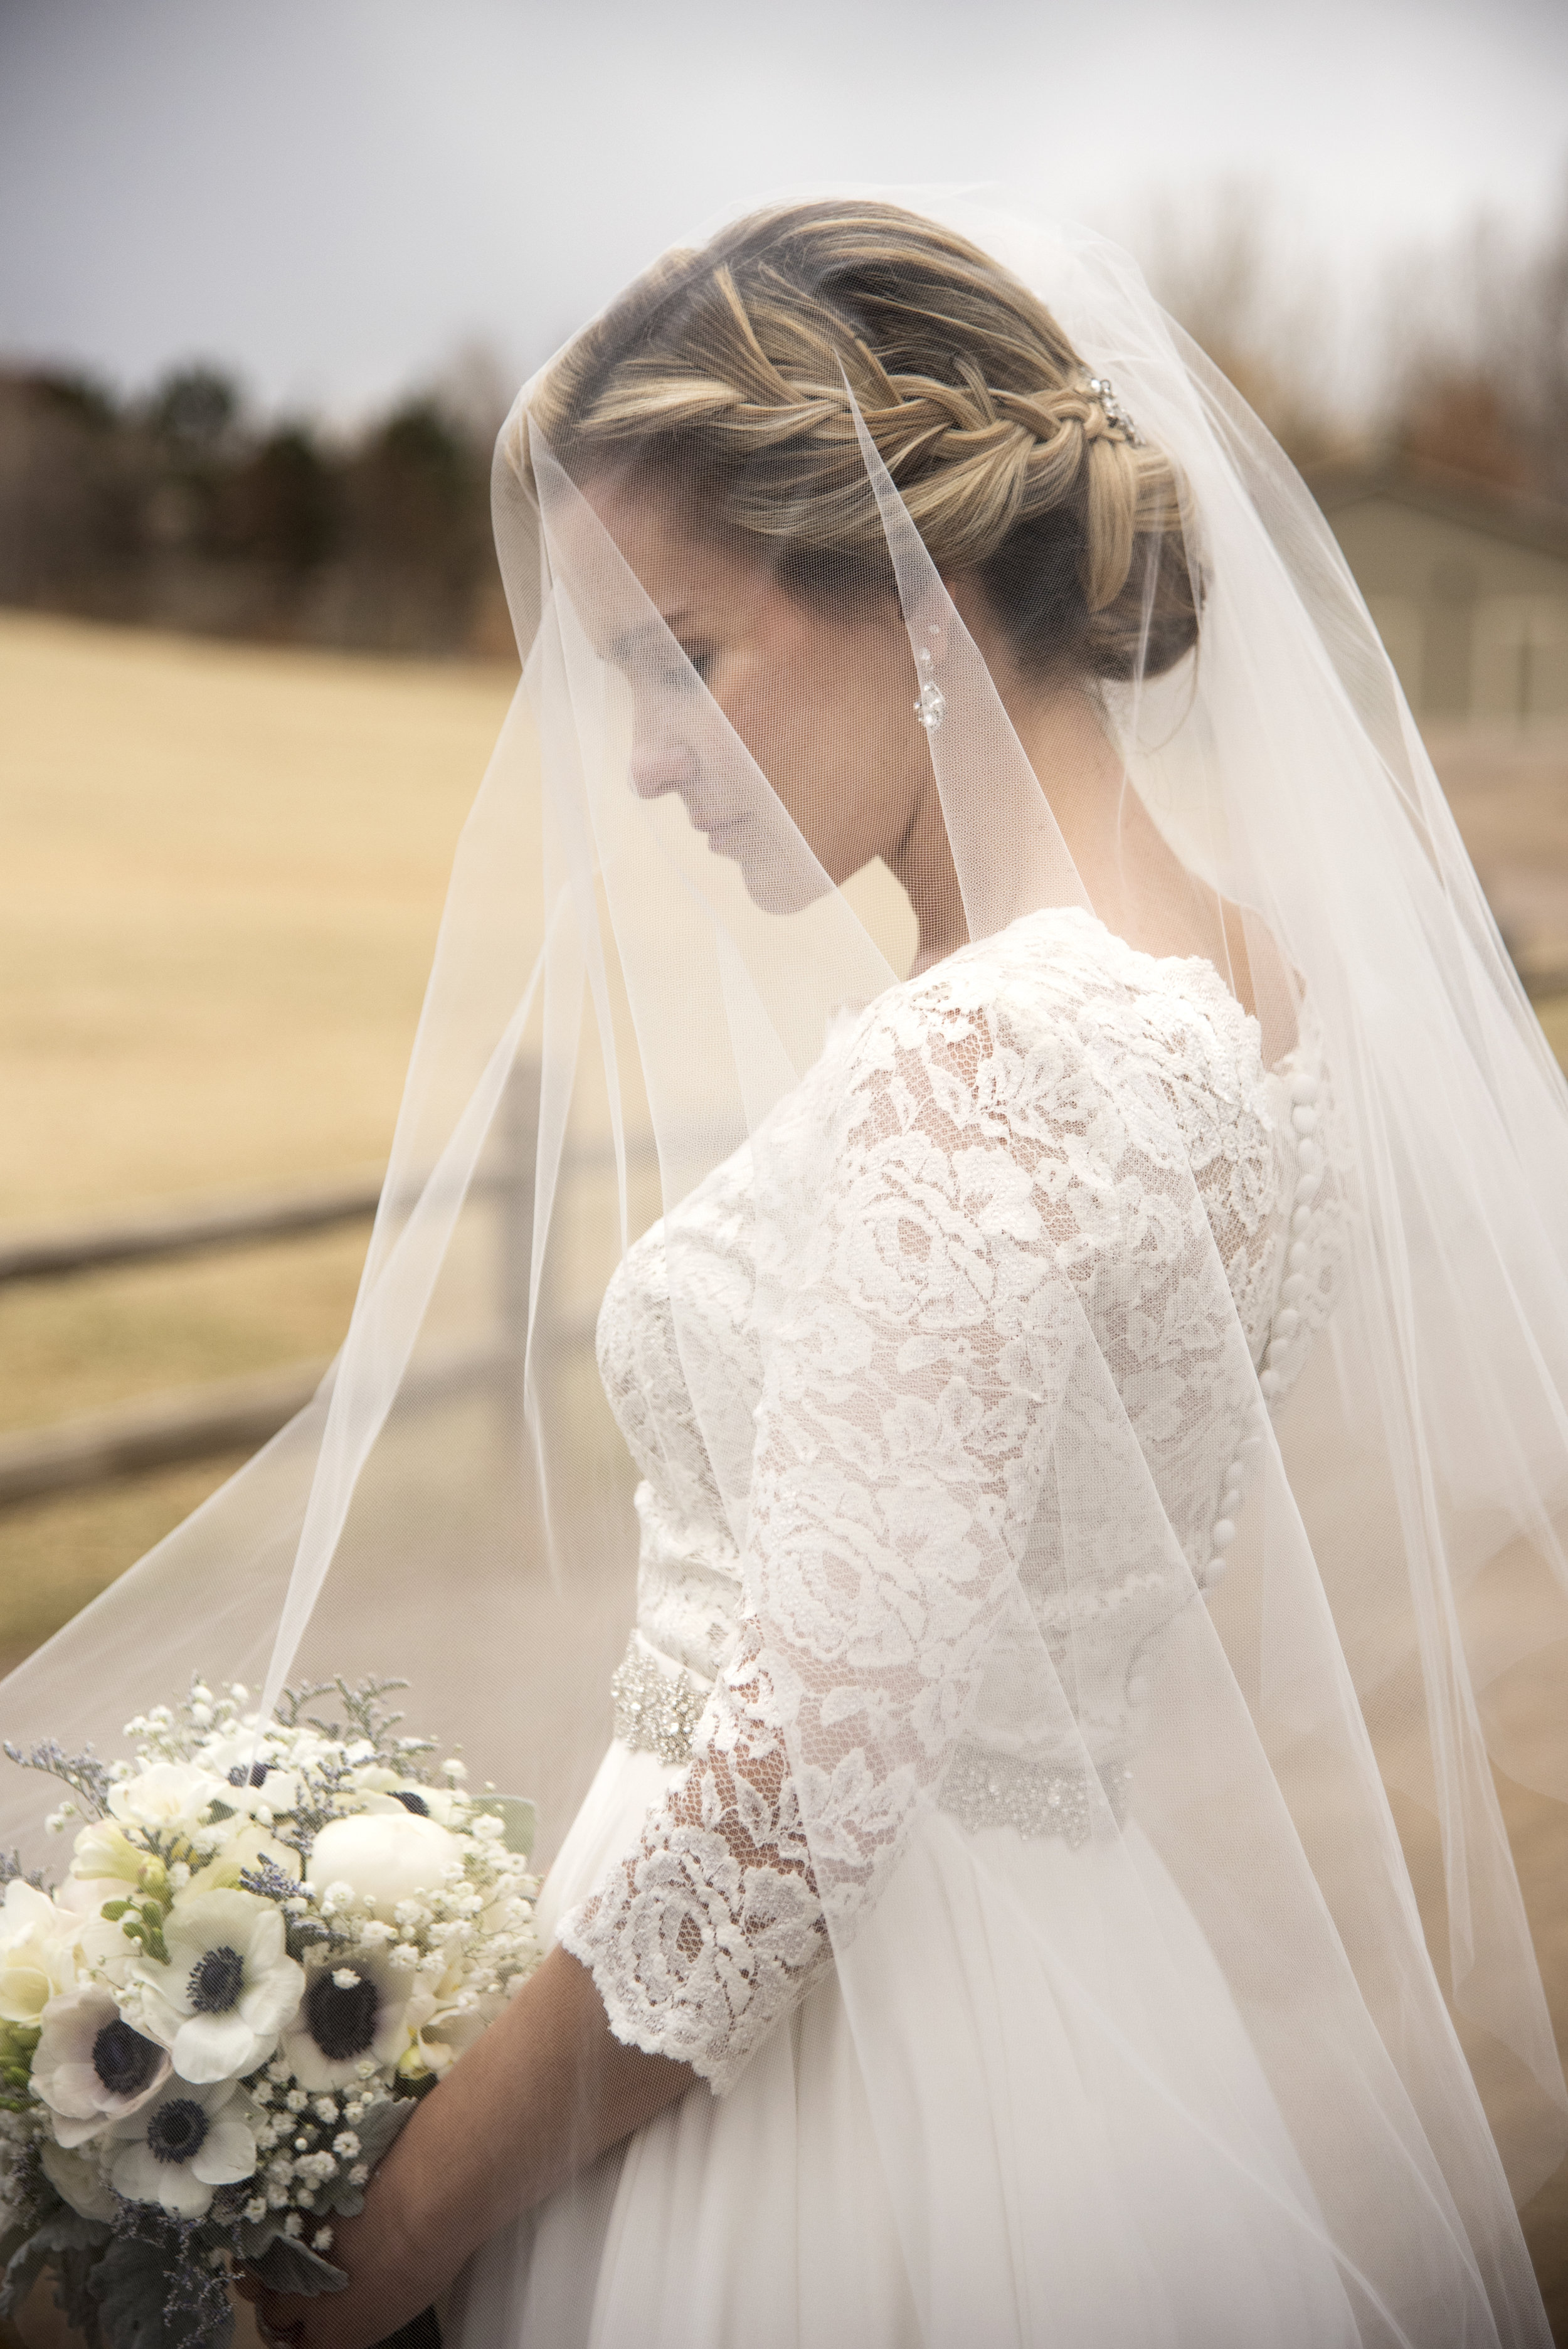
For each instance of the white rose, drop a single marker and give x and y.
(247, 1847)
(167, 1797)
(37, 1952)
(385, 1858)
(78, 2181)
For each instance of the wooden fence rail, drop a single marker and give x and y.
(234, 1222)
(242, 1414)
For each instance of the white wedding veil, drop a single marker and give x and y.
(624, 997)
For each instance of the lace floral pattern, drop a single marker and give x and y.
(985, 1302)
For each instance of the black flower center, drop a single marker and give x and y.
(256, 1776)
(411, 1802)
(177, 2130)
(216, 1981)
(123, 2060)
(342, 2015)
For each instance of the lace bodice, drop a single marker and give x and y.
(1049, 1148)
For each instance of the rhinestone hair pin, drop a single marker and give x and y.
(1103, 390)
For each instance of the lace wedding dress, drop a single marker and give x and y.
(1005, 1084)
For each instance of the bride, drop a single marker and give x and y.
(1097, 1399)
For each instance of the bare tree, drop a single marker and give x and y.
(1478, 334)
(1238, 273)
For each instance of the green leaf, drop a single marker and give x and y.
(379, 2126)
(289, 2266)
(340, 2199)
(255, 2234)
(130, 2283)
(74, 2293)
(22, 2272)
(517, 1815)
(67, 2230)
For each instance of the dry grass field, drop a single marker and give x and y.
(223, 871)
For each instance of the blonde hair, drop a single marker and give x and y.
(726, 369)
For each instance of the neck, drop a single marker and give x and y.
(1081, 776)
(923, 862)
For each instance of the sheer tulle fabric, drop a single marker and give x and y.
(1032, 1900)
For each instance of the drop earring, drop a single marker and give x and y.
(931, 709)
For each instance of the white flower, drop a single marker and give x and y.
(78, 2180)
(450, 2033)
(181, 2145)
(91, 2066)
(37, 1952)
(248, 1846)
(362, 2011)
(384, 1859)
(252, 1774)
(102, 1950)
(382, 1791)
(228, 1989)
(104, 1853)
(167, 1797)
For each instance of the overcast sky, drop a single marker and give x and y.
(331, 195)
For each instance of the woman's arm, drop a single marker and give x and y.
(544, 2092)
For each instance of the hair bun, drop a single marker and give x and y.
(728, 366)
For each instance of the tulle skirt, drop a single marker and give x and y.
(987, 2202)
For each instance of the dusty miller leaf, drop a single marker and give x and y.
(288, 2266)
(131, 2283)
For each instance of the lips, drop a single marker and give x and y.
(721, 832)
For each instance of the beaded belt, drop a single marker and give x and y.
(984, 1788)
(658, 1706)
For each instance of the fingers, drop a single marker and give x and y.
(275, 2323)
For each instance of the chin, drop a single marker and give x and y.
(779, 883)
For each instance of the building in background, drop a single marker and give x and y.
(1468, 585)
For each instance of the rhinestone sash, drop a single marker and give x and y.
(982, 1788)
(658, 1705)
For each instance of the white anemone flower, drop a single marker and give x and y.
(252, 1776)
(228, 1989)
(37, 1952)
(387, 1792)
(90, 2067)
(182, 2143)
(354, 2010)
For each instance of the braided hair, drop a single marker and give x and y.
(725, 371)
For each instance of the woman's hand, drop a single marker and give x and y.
(385, 2290)
(544, 2092)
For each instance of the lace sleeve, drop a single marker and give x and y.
(908, 1398)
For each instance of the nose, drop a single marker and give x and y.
(657, 767)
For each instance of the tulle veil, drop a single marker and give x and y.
(615, 1009)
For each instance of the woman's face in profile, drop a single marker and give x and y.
(822, 701)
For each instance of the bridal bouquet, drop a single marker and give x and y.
(272, 1939)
